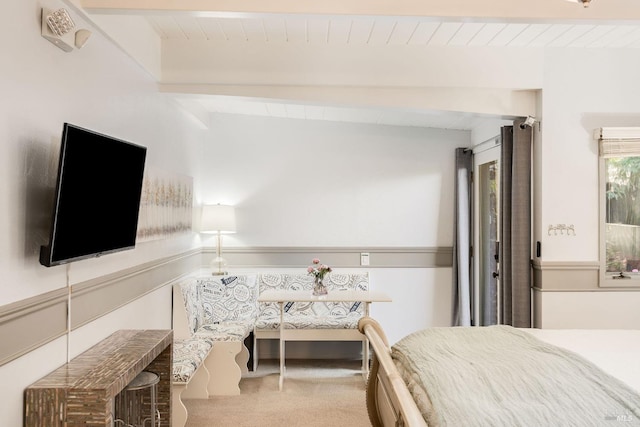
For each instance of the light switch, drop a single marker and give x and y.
(364, 258)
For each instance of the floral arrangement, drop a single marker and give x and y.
(318, 270)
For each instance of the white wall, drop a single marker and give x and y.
(421, 298)
(584, 89)
(100, 88)
(314, 183)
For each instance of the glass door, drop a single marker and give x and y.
(486, 233)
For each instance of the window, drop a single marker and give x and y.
(620, 206)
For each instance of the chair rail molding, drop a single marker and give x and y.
(36, 321)
(33, 322)
(570, 276)
(342, 257)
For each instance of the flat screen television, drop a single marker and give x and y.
(97, 197)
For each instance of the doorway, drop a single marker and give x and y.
(486, 182)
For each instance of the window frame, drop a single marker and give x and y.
(613, 142)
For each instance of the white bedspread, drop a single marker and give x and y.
(615, 351)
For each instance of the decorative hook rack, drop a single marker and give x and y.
(562, 229)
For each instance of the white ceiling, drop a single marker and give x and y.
(372, 31)
(293, 26)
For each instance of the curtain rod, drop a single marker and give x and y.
(494, 139)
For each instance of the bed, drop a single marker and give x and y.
(504, 376)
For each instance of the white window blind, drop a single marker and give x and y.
(619, 141)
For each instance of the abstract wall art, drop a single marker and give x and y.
(166, 205)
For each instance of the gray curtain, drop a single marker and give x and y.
(462, 303)
(515, 227)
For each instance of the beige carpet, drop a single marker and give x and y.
(315, 393)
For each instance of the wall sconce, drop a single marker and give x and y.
(58, 27)
(219, 219)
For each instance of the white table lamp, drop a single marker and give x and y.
(219, 219)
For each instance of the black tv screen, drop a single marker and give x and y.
(97, 196)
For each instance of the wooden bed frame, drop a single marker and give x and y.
(389, 402)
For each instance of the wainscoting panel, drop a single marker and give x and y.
(574, 276)
(603, 309)
(28, 324)
(97, 297)
(566, 295)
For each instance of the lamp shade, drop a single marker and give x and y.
(218, 219)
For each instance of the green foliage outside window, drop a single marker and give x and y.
(622, 213)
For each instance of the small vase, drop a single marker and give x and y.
(319, 288)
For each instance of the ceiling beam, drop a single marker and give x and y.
(494, 102)
(600, 10)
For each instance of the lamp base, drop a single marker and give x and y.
(218, 266)
(219, 273)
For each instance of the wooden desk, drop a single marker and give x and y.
(282, 297)
(82, 392)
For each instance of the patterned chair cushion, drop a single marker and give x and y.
(333, 282)
(225, 331)
(193, 307)
(302, 321)
(228, 298)
(187, 356)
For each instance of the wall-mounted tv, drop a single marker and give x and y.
(97, 197)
